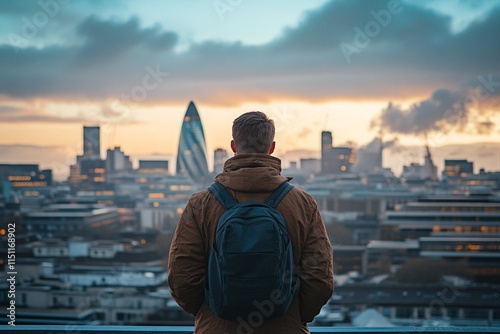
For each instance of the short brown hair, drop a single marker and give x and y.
(253, 132)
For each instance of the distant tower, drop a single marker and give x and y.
(192, 151)
(91, 142)
(116, 160)
(430, 168)
(326, 150)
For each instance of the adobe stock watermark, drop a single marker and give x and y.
(150, 82)
(372, 29)
(223, 6)
(282, 118)
(265, 308)
(121, 108)
(448, 295)
(31, 26)
(103, 299)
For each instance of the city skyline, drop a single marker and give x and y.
(394, 157)
(406, 70)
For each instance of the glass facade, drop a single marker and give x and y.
(192, 151)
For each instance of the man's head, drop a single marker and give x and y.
(253, 132)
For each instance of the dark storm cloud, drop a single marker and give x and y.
(445, 110)
(414, 53)
(107, 41)
(112, 60)
(422, 117)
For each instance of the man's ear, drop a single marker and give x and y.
(271, 149)
(233, 146)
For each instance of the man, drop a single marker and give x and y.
(252, 175)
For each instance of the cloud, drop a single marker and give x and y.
(428, 115)
(37, 114)
(113, 59)
(414, 54)
(374, 145)
(485, 127)
(445, 111)
(107, 41)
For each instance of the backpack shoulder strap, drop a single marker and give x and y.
(275, 198)
(223, 196)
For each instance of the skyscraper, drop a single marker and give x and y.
(457, 168)
(335, 160)
(192, 151)
(116, 160)
(91, 142)
(326, 149)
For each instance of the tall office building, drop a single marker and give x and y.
(335, 160)
(326, 149)
(116, 160)
(192, 151)
(458, 168)
(342, 159)
(89, 170)
(91, 142)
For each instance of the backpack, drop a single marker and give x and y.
(250, 265)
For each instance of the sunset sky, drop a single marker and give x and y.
(356, 68)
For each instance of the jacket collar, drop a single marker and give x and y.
(252, 172)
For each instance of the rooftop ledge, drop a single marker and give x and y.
(25, 329)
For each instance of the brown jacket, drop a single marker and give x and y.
(251, 177)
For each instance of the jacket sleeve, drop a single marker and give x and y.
(315, 270)
(186, 262)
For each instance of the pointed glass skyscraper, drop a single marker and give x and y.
(192, 152)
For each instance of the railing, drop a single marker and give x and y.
(24, 329)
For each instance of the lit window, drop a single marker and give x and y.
(474, 248)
